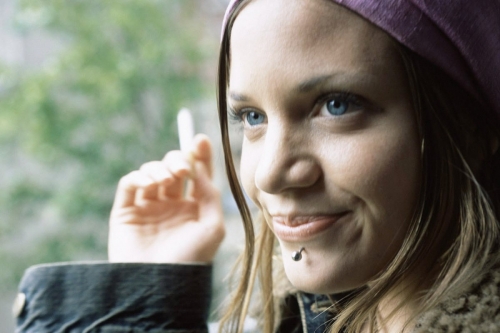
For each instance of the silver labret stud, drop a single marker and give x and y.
(297, 255)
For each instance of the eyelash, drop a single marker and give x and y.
(237, 115)
(351, 99)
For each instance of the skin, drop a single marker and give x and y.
(301, 162)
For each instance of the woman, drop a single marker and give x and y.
(371, 148)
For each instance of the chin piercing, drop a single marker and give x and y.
(297, 255)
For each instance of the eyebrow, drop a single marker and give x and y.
(238, 97)
(312, 83)
(303, 87)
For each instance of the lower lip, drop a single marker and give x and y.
(305, 231)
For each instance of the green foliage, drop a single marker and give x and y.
(105, 104)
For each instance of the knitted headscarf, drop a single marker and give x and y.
(462, 37)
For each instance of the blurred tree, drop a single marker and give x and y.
(104, 105)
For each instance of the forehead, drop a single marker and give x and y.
(295, 37)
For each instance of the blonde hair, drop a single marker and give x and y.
(455, 220)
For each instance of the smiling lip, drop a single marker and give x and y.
(302, 228)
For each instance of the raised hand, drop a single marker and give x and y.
(155, 220)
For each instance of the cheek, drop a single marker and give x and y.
(383, 171)
(397, 174)
(248, 166)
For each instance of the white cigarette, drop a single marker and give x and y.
(185, 127)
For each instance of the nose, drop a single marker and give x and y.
(287, 161)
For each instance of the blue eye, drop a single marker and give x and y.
(337, 107)
(254, 118)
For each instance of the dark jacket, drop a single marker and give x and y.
(118, 298)
(162, 298)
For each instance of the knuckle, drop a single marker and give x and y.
(149, 165)
(172, 155)
(127, 179)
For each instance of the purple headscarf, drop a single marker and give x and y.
(462, 37)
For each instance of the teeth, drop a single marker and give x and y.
(295, 221)
(299, 220)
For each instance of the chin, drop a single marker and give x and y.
(319, 281)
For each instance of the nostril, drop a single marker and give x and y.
(304, 172)
(278, 177)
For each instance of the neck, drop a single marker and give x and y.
(396, 312)
(393, 317)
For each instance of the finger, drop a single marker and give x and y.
(149, 193)
(127, 188)
(202, 155)
(206, 194)
(177, 164)
(162, 193)
(202, 151)
(160, 176)
(209, 204)
(156, 170)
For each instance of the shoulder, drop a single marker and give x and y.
(476, 311)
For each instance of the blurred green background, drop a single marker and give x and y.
(89, 90)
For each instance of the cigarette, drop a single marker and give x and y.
(185, 127)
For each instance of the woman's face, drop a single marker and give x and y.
(330, 151)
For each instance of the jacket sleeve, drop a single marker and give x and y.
(115, 298)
